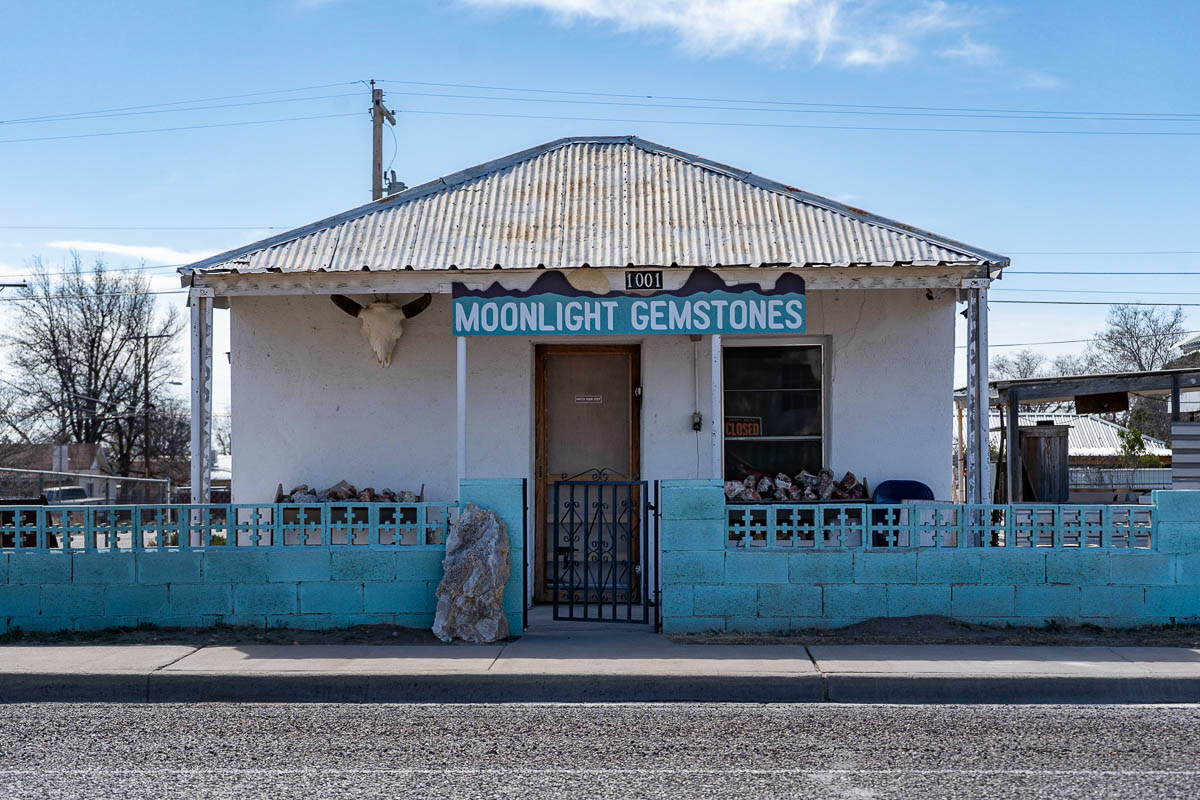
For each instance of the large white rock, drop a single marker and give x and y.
(471, 595)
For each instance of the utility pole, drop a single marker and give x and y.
(378, 114)
(146, 408)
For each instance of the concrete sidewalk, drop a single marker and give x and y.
(599, 663)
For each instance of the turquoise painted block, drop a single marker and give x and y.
(331, 597)
(170, 566)
(947, 566)
(40, 623)
(692, 534)
(197, 599)
(693, 624)
(513, 601)
(243, 620)
(1143, 568)
(909, 600)
(820, 567)
(1187, 568)
(71, 601)
(102, 622)
(875, 567)
(1012, 565)
(693, 568)
(425, 621)
(1112, 601)
(1181, 603)
(19, 601)
(724, 601)
(700, 502)
(859, 602)
(3, 568)
(363, 565)
(1177, 506)
(515, 629)
(425, 564)
(764, 567)
(237, 566)
(36, 568)
(399, 597)
(1078, 567)
(789, 600)
(293, 565)
(757, 624)
(977, 602)
(691, 483)
(104, 567)
(178, 621)
(265, 598)
(138, 601)
(1048, 602)
(1177, 537)
(677, 601)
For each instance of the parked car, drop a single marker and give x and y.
(70, 496)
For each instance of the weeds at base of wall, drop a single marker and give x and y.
(936, 629)
(221, 634)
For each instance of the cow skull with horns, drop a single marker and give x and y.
(382, 321)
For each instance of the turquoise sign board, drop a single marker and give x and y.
(703, 305)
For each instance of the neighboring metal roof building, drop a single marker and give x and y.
(1188, 346)
(1090, 436)
(604, 202)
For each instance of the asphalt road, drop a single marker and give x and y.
(597, 751)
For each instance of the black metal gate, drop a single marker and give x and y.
(601, 548)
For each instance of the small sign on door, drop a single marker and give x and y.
(589, 398)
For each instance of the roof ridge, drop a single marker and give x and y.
(460, 177)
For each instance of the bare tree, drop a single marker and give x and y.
(1139, 338)
(223, 434)
(75, 351)
(1022, 364)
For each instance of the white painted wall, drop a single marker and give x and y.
(311, 405)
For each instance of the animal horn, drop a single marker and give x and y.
(416, 306)
(346, 304)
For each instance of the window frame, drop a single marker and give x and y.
(821, 341)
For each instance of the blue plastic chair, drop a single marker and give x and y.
(899, 491)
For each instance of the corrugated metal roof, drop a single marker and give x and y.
(601, 201)
(1090, 436)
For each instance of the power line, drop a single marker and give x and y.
(179, 102)
(783, 102)
(87, 296)
(804, 126)
(73, 118)
(143, 227)
(781, 110)
(1090, 272)
(1086, 303)
(178, 128)
(1087, 291)
(1078, 341)
(1103, 252)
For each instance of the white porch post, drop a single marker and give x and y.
(201, 302)
(977, 396)
(461, 406)
(717, 414)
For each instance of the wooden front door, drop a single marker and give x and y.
(587, 427)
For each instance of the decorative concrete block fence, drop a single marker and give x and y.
(318, 566)
(779, 567)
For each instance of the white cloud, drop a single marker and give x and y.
(1040, 80)
(154, 254)
(850, 32)
(971, 52)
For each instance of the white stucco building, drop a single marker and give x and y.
(865, 384)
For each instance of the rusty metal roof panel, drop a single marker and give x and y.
(602, 201)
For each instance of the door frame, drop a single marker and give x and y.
(541, 478)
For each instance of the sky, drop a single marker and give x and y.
(887, 105)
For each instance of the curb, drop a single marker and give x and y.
(293, 687)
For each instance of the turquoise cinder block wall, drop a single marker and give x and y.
(322, 587)
(708, 586)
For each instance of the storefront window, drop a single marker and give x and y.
(773, 410)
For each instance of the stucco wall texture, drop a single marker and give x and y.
(707, 586)
(314, 407)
